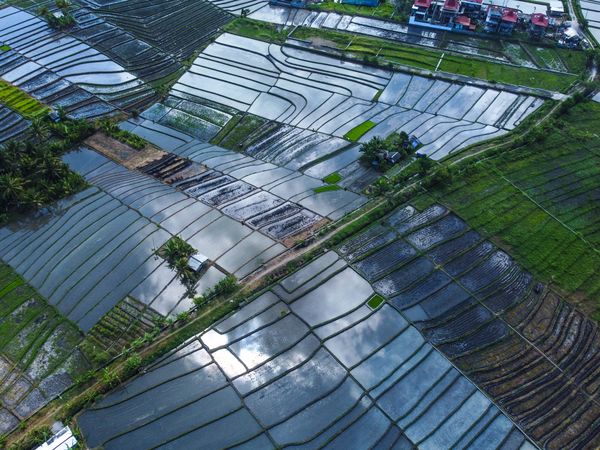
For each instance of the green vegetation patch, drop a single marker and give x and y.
(575, 60)
(358, 131)
(30, 329)
(21, 102)
(540, 202)
(177, 253)
(234, 135)
(384, 10)
(381, 50)
(327, 188)
(256, 29)
(32, 173)
(110, 127)
(4, 48)
(333, 178)
(375, 301)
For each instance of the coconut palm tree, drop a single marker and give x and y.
(11, 191)
(40, 130)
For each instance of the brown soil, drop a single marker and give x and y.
(293, 240)
(123, 153)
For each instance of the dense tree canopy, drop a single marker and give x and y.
(32, 173)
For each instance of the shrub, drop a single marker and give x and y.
(132, 364)
(441, 176)
(111, 128)
(183, 316)
(32, 439)
(225, 287)
(110, 377)
(424, 165)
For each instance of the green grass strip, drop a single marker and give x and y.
(357, 132)
(382, 50)
(375, 301)
(333, 178)
(327, 188)
(19, 101)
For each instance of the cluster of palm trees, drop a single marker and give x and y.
(177, 253)
(58, 21)
(32, 173)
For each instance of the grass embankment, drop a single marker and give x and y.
(21, 102)
(540, 202)
(390, 51)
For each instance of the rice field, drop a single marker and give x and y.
(590, 11)
(320, 94)
(273, 198)
(20, 102)
(527, 348)
(541, 203)
(295, 366)
(420, 47)
(60, 71)
(89, 252)
(442, 325)
(12, 124)
(176, 28)
(39, 355)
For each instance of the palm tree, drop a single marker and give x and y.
(34, 198)
(11, 191)
(61, 112)
(39, 130)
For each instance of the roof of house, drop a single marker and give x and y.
(463, 20)
(422, 3)
(197, 261)
(539, 19)
(510, 15)
(452, 5)
(473, 1)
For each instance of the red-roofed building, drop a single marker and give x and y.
(451, 5)
(538, 25)
(510, 17)
(448, 12)
(462, 23)
(422, 3)
(420, 10)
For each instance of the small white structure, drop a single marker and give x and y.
(62, 440)
(197, 262)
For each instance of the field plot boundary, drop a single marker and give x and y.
(214, 350)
